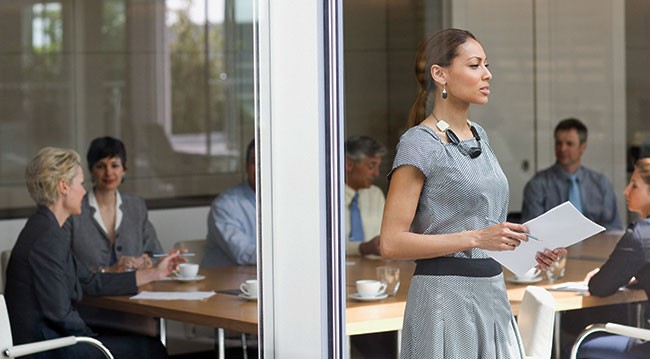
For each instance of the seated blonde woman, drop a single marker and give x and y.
(44, 281)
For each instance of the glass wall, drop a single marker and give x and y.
(173, 79)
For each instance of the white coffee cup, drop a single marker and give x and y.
(530, 275)
(370, 287)
(249, 288)
(188, 270)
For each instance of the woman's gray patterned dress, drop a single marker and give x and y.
(457, 305)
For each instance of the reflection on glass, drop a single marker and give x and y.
(172, 79)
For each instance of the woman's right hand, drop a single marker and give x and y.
(166, 266)
(125, 264)
(590, 274)
(504, 236)
(128, 263)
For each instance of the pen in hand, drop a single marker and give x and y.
(526, 234)
(160, 255)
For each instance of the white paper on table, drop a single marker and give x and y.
(579, 287)
(173, 295)
(561, 226)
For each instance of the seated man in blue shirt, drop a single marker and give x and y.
(364, 202)
(567, 180)
(231, 222)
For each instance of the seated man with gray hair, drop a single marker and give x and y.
(364, 202)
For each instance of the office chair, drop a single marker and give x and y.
(8, 350)
(4, 262)
(611, 328)
(535, 321)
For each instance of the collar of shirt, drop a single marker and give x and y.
(562, 173)
(349, 194)
(92, 201)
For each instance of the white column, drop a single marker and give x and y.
(293, 177)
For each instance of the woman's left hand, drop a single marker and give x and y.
(546, 258)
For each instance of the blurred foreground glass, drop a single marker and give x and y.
(389, 276)
(556, 270)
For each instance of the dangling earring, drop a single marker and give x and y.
(444, 92)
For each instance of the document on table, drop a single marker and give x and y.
(173, 295)
(579, 287)
(561, 226)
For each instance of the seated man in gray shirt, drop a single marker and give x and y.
(567, 180)
(231, 222)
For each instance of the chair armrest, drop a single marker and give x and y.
(608, 328)
(37, 347)
(627, 331)
(97, 344)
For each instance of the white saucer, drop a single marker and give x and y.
(524, 280)
(194, 279)
(356, 296)
(247, 297)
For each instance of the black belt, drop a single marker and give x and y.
(484, 267)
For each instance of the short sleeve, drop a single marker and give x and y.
(417, 147)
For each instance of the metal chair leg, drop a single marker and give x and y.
(244, 346)
(162, 322)
(221, 342)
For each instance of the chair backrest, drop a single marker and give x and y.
(536, 320)
(4, 262)
(196, 246)
(5, 329)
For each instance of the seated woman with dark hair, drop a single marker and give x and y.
(113, 232)
(629, 263)
(44, 281)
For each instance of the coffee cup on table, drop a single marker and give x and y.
(370, 288)
(188, 270)
(249, 288)
(532, 273)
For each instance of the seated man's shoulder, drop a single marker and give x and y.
(588, 172)
(234, 193)
(543, 176)
(371, 190)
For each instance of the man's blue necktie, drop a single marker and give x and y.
(356, 227)
(574, 192)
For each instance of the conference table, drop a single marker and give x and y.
(229, 311)
(226, 309)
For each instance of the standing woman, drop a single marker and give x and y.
(44, 281)
(113, 232)
(446, 186)
(628, 263)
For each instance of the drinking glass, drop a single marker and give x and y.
(556, 270)
(389, 276)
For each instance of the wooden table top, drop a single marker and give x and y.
(231, 312)
(222, 310)
(387, 314)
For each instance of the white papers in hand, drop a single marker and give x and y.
(173, 295)
(561, 226)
